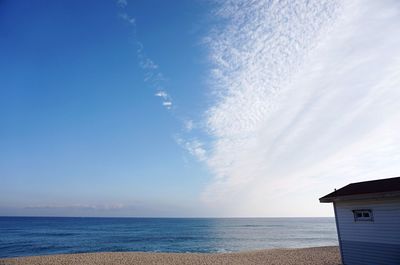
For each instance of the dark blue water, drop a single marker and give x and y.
(27, 236)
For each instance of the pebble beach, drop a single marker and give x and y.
(301, 256)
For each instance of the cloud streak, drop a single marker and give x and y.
(156, 80)
(148, 208)
(127, 18)
(194, 147)
(307, 100)
(122, 3)
(152, 74)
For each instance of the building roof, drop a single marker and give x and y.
(364, 190)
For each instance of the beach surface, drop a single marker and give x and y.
(304, 256)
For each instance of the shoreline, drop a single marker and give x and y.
(328, 255)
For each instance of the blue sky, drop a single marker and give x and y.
(79, 124)
(194, 108)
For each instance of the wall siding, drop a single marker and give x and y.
(362, 253)
(375, 243)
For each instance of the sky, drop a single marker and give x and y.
(195, 108)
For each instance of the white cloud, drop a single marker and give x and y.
(148, 64)
(194, 147)
(122, 3)
(308, 101)
(162, 94)
(152, 74)
(167, 104)
(140, 208)
(127, 18)
(188, 125)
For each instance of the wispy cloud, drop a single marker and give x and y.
(189, 125)
(194, 147)
(308, 100)
(77, 206)
(156, 80)
(127, 18)
(122, 3)
(152, 74)
(167, 104)
(149, 208)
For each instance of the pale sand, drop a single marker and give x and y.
(304, 256)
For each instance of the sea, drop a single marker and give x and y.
(30, 236)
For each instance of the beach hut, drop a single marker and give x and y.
(368, 221)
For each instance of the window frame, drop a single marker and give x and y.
(362, 218)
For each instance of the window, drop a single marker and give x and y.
(363, 215)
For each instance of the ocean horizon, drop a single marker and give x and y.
(31, 236)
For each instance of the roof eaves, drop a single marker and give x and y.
(332, 198)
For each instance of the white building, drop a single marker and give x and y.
(368, 221)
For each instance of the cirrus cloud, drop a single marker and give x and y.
(308, 99)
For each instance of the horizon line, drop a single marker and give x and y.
(161, 217)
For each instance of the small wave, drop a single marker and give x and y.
(223, 250)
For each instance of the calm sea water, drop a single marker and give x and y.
(26, 236)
